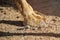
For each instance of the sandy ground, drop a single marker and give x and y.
(11, 20)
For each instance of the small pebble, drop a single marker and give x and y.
(5, 13)
(1, 9)
(17, 17)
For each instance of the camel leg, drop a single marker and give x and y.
(30, 17)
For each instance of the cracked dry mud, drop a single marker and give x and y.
(11, 21)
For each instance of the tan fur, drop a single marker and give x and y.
(30, 16)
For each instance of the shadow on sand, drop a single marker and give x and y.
(17, 23)
(20, 23)
(2, 34)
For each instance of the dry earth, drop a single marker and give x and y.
(11, 21)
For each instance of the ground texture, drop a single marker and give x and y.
(11, 21)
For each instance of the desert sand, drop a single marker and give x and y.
(11, 21)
